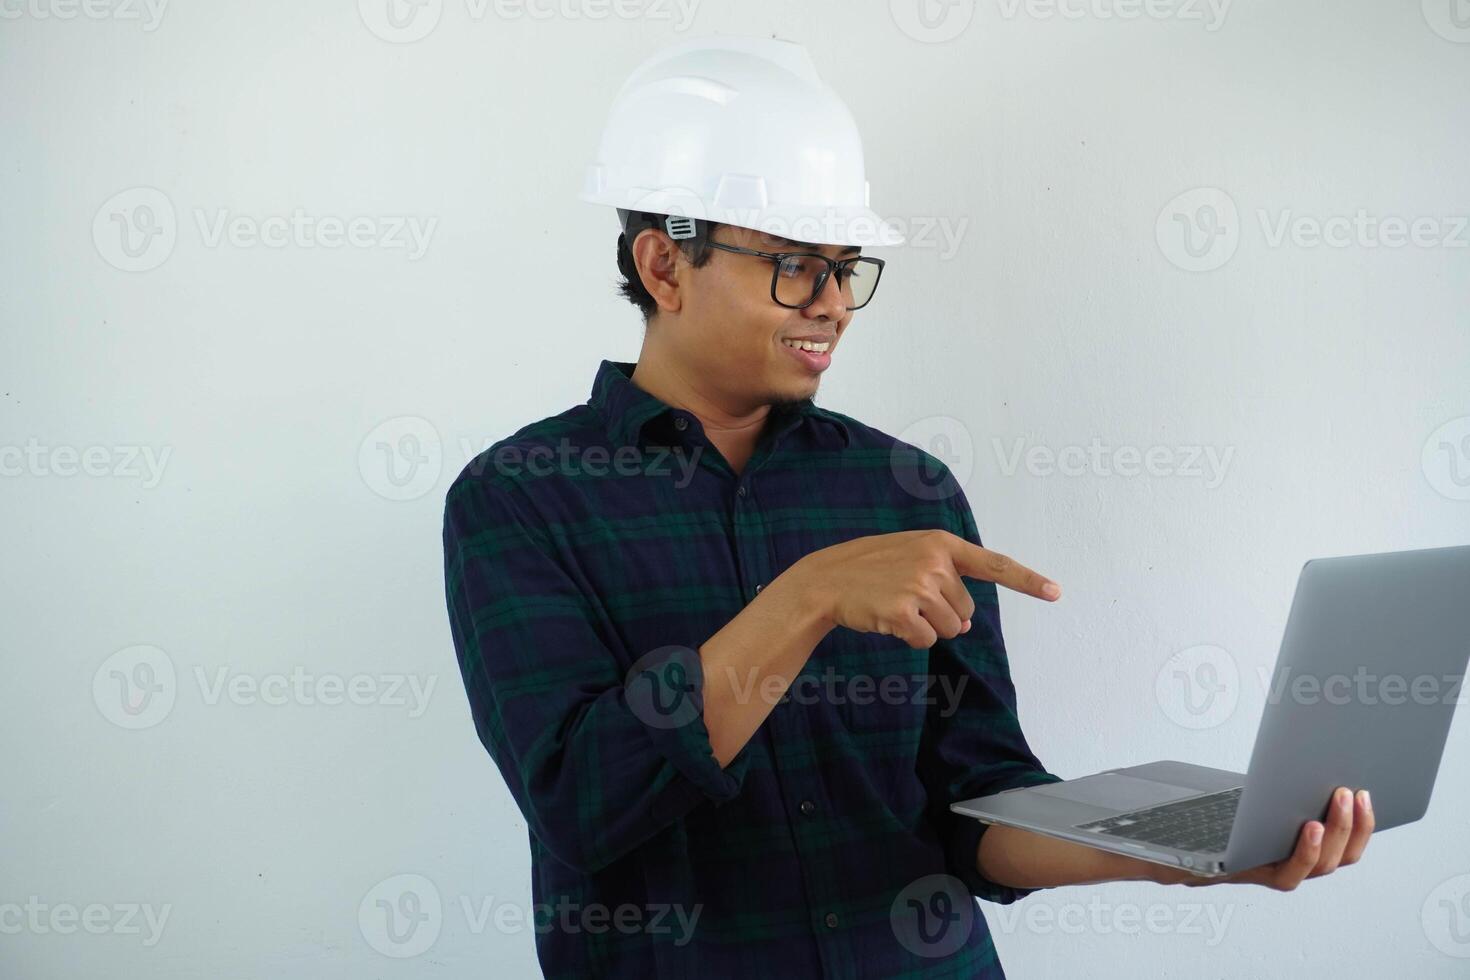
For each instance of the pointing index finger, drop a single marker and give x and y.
(976, 562)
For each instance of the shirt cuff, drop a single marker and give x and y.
(963, 848)
(668, 696)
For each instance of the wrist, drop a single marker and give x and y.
(1121, 867)
(1137, 869)
(811, 603)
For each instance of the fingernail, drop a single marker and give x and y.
(1315, 835)
(1051, 590)
(1367, 801)
(1343, 798)
(965, 628)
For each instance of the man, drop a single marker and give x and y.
(735, 654)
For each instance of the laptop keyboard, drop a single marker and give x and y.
(1201, 824)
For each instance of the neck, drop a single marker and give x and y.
(675, 385)
(733, 427)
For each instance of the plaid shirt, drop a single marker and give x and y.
(586, 558)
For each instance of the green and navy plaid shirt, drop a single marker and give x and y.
(586, 558)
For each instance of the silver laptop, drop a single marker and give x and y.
(1371, 666)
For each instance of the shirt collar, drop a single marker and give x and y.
(626, 408)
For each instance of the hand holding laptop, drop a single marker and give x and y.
(1319, 850)
(1371, 665)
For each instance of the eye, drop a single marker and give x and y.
(796, 266)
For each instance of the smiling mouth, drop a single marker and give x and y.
(813, 356)
(810, 346)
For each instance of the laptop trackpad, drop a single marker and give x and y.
(1115, 791)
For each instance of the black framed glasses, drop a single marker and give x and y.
(797, 278)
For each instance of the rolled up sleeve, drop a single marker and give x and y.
(588, 745)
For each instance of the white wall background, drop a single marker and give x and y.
(1035, 158)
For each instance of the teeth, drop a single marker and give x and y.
(808, 345)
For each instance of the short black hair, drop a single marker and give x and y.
(632, 288)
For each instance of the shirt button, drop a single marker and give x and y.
(808, 807)
(762, 585)
(831, 920)
(741, 491)
(681, 423)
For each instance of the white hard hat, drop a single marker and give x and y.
(739, 131)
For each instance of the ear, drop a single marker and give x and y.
(656, 256)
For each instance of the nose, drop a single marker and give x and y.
(830, 302)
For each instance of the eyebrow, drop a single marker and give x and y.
(808, 246)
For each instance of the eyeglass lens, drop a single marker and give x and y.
(798, 276)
